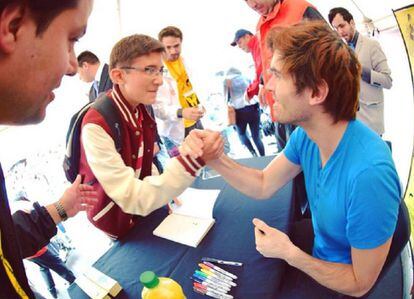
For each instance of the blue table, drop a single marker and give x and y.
(231, 238)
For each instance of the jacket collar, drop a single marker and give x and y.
(354, 40)
(129, 114)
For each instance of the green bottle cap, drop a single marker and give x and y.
(149, 279)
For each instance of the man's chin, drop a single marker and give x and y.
(174, 58)
(151, 100)
(34, 118)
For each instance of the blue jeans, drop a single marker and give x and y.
(282, 134)
(51, 260)
(168, 149)
(250, 115)
(197, 125)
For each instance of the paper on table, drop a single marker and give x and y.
(196, 203)
(191, 221)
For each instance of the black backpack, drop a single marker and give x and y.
(106, 107)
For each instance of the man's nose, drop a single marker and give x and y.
(73, 64)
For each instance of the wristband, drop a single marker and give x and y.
(180, 113)
(61, 211)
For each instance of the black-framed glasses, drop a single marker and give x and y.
(149, 70)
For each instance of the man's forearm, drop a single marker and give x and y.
(336, 276)
(247, 180)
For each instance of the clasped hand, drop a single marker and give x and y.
(207, 144)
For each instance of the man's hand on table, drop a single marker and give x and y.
(271, 242)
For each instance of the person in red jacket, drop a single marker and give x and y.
(278, 13)
(249, 43)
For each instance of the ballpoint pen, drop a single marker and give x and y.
(210, 292)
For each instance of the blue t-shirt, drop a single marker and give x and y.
(354, 198)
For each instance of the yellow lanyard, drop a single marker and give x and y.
(9, 271)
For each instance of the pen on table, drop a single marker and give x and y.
(204, 277)
(211, 284)
(204, 287)
(219, 274)
(220, 270)
(228, 281)
(202, 292)
(215, 279)
(209, 280)
(206, 291)
(230, 263)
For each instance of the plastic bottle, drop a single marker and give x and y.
(160, 287)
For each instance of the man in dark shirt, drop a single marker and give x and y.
(91, 70)
(36, 51)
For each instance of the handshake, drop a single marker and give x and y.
(207, 144)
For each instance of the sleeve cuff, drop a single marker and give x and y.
(180, 113)
(43, 213)
(366, 74)
(190, 164)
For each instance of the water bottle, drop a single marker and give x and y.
(160, 287)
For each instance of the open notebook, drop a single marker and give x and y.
(189, 222)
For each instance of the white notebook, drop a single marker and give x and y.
(189, 222)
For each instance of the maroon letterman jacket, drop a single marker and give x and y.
(136, 133)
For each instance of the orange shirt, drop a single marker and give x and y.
(288, 12)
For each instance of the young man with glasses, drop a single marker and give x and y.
(123, 180)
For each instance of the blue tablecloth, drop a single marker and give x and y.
(231, 238)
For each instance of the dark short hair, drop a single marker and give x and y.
(87, 56)
(311, 52)
(42, 11)
(342, 11)
(170, 31)
(132, 47)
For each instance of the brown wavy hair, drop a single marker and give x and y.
(312, 53)
(170, 31)
(132, 47)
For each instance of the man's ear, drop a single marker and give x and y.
(319, 96)
(10, 21)
(117, 76)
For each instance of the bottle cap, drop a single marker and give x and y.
(149, 279)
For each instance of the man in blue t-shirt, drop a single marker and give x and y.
(351, 181)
